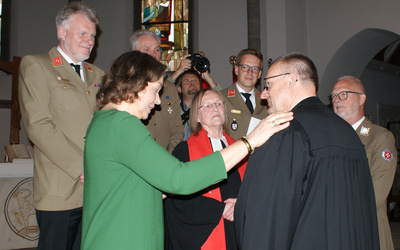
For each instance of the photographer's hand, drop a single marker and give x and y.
(184, 65)
(206, 76)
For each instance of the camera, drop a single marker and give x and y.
(199, 62)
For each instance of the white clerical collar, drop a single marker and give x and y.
(355, 125)
(69, 60)
(216, 143)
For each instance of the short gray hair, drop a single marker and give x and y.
(63, 15)
(357, 81)
(134, 40)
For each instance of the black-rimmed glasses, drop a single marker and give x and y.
(245, 68)
(267, 85)
(342, 95)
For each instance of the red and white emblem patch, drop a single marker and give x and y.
(231, 92)
(88, 67)
(57, 61)
(387, 155)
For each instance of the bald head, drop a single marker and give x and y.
(290, 79)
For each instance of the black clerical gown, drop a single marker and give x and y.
(308, 187)
(191, 219)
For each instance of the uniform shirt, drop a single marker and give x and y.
(238, 114)
(381, 152)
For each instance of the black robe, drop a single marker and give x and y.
(308, 187)
(190, 219)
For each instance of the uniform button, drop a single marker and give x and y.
(88, 92)
(65, 87)
(154, 124)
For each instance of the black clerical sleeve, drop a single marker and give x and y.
(190, 219)
(308, 187)
(271, 194)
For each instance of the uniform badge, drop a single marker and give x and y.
(364, 131)
(88, 68)
(170, 110)
(231, 93)
(97, 84)
(57, 61)
(234, 125)
(235, 111)
(387, 155)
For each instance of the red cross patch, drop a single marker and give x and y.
(231, 92)
(387, 155)
(57, 61)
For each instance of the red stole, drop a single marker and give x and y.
(200, 146)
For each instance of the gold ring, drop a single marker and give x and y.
(273, 123)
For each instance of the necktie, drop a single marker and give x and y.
(77, 68)
(248, 102)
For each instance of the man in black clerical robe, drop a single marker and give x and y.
(309, 186)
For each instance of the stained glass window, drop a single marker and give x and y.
(170, 20)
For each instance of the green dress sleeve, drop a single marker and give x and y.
(134, 147)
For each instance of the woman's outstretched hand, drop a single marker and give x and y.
(268, 127)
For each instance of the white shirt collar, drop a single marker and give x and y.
(355, 125)
(69, 60)
(242, 91)
(252, 97)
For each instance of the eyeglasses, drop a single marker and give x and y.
(210, 106)
(267, 85)
(245, 68)
(342, 95)
(190, 81)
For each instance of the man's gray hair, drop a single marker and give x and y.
(134, 40)
(63, 15)
(357, 81)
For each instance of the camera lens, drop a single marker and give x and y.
(202, 64)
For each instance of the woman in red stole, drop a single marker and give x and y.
(204, 220)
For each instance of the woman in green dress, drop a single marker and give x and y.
(126, 171)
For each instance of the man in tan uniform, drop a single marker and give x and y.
(348, 99)
(242, 99)
(57, 103)
(164, 123)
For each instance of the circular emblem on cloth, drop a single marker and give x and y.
(387, 155)
(19, 211)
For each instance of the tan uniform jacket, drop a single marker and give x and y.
(56, 108)
(164, 122)
(382, 157)
(237, 109)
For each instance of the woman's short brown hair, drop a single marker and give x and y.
(128, 75)
(195, 126)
